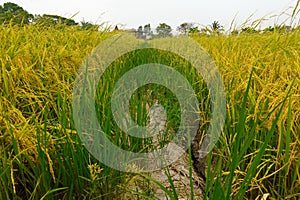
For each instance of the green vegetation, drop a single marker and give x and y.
(164, 30)
(42, 157)
(261, 134)
(15, 14)
(11, 13)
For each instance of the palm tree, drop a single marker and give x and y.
(216, 28)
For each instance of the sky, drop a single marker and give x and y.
(133, 13)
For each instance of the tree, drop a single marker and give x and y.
(249, 30)
(278, 29)
(147, 32)
(52, 20)
(11, 12)
(234, 32)
(216, 28)
(89, 26)
(184, 28)
(164, 30)
(140, 32)
(194, 30)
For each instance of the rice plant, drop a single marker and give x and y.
(42, 156)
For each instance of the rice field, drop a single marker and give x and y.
(42, 156)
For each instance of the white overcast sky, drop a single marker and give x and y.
(132, 13)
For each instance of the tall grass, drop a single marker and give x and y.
(42, 156)
(260, 145)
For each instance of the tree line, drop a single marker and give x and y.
(11, 13)
(164, 30)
